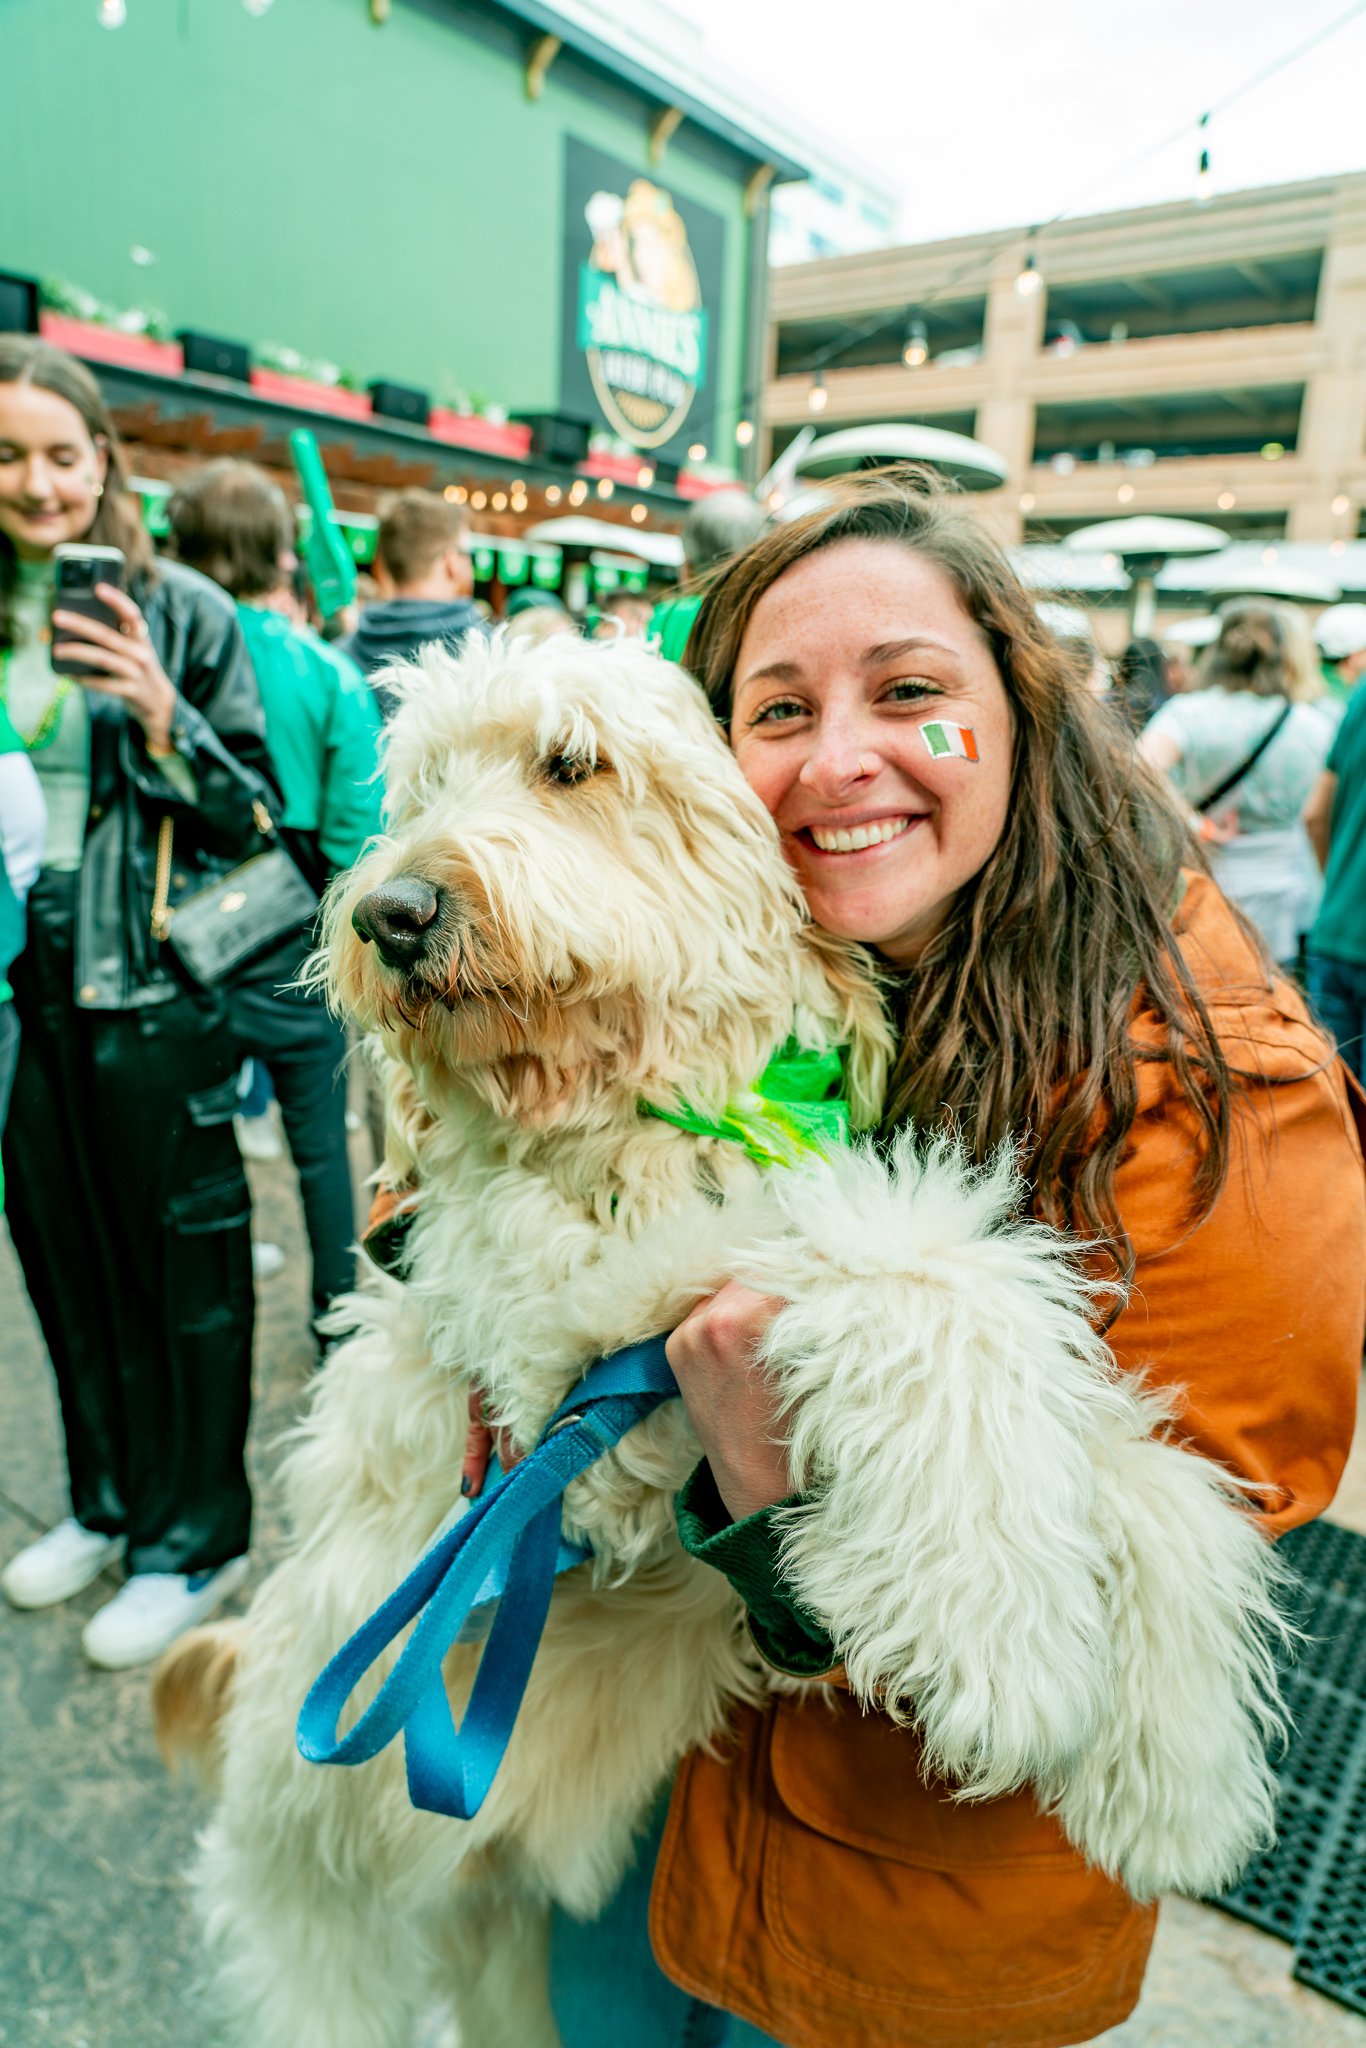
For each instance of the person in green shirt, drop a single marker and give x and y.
(322, 727)
(1341, 635)
(1335, 819)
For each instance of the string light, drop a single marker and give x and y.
(744, 433)
(500, 501)
(578, 492)
(1204, 181)
(605, 487)
(1226, 501)
(1029, 282)
(698, 452)
(451, 494)
(645, 476)
(112, 13)
(478, 500)
(553, 494)
(1125, 494)
(817, 397)
(1272, 451)
(1027, 501)
(640, 513)
(917, 345)
(1342, 503)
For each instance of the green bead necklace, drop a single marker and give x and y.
(45, 731)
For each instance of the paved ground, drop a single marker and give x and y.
(97, 1948)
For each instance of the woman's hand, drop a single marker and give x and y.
(123, 663)
(732, 1403)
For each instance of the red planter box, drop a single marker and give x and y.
(689, 486)
(483, 437)
(311, 397)
(107, 345)
(622, 469)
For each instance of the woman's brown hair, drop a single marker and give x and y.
(26, 359)
(1018, 1014)
(1264, 648)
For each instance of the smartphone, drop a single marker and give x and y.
(78, 569)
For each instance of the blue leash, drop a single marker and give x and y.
(513, 1528)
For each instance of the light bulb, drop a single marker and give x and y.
(500, 503)
(112, 13)
(1125, 494)
(817, 397)
(1272, 451)
(645, 476)
(478, 500)
(553, 494)
(605, 487)
(1029, 281)
(1204, 181)
(917, 345)
(1226, 501)
(1026, 501)
(1342, 503)
(698, 452)
(578, 492)
(450, 494)
(640, 513)
(744, 433)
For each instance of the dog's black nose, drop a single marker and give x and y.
(400, 918)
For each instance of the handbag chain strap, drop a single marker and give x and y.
(162, 912)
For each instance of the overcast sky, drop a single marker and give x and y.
(989, 112)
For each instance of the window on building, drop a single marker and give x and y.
(1143, 430)
(1274, 291)
(955, 325)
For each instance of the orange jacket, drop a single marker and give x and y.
(810, 1880)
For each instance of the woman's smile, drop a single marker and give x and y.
(862, 835)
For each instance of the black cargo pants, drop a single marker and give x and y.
(129, 1210)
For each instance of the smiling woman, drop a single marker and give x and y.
(1069, 986)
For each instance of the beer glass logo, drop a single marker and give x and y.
(642, 325)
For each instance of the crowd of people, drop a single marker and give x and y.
(185, 766)
(213, 725)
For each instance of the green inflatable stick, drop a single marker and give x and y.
(327, 558)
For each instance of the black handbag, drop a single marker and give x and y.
(226, 924)
(1244, 768)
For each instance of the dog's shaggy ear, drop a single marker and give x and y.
(191, 1687)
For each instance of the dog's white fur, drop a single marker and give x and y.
(998, 1530)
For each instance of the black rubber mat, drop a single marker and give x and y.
(1310, 1888)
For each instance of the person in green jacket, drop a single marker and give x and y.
(322, 727)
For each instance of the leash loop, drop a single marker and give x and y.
(505, 1549)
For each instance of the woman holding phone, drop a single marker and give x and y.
(126, 1198)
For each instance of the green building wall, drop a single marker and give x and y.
(386, 197)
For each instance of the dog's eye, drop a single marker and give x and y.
(569, 768)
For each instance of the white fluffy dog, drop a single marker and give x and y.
(997, 1530)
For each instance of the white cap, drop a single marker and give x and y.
(1341, 631)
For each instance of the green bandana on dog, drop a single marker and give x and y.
(795, 1110)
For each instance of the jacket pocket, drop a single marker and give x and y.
(886, 1890)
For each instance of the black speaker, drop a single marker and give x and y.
(666, 473)
(400, 402)
(18, 303)
(208, 355)
(556, 437)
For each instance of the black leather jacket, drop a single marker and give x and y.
(219, 731)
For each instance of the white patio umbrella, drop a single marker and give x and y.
(1145, 545)
(661, 550)
(969, 463)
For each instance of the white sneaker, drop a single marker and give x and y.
(147, 1614)
(266, 1259)
(57, 1565)
(257, 1137)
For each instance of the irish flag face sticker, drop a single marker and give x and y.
(942, 739)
